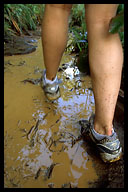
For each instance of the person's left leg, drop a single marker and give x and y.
(54, 36)
(105, 59)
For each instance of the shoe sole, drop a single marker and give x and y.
(109, 158)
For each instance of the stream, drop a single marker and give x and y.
(41, 145)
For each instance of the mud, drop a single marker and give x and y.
(43, 147)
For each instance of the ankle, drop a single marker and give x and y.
(51, 78)
(103, 129)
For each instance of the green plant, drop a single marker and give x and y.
(80, 39)
(77, 27)
(21, 17)
(117, 23)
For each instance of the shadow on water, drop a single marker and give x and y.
(41, 144)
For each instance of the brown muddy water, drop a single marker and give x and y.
(40, 137)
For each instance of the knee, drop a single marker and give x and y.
(100, 27)
(98, 17)
(100, 23)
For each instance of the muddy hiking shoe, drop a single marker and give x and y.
(109, 147)
(51, 91)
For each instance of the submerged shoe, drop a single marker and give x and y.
(51, 91)
(109, 147)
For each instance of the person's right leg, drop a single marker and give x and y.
(105, 59)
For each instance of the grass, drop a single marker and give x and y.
(19, 18)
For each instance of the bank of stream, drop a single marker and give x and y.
(41, 138)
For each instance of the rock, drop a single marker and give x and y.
(19, 45)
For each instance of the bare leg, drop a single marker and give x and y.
(54, 36)
(106, 59)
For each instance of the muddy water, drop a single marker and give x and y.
(41, 147)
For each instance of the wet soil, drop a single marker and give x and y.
(42, 147)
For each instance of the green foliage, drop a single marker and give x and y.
(80, 39)
(117, 26)
(22, 16)
(117, 23)
(120, 8)
(28, 16)
(77, 17)
(77, 27)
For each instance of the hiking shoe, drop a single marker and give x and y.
(109, 147)
(51, 91)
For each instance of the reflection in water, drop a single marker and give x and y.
(76, 103)
(39, 136)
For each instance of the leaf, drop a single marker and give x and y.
(117, 23)
(15, 25)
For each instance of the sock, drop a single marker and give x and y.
(50, 81)
(99, 136)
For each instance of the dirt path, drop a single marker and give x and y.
(40, 137)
